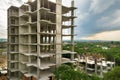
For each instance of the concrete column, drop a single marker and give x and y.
(86, 58)
(101, 70)
(58, 31)
(49, 48)
(45, 32)
(38, 37)
(29, 31)
(111, 66)
(54, 41)
(19, 47)
(29, 37)
(114, 63)
(95, 66)
(8, 45)
(72, 30)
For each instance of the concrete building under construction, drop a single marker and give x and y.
(94, 65)
(35, 39)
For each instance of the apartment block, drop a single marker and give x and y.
(36, 31)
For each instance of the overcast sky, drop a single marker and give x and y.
(97, 19)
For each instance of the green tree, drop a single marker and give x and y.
(95, 77)
(65, 72)
(113, 75)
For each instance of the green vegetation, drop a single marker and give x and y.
(109, 50)
(113, 75)
(112, 53)
(65, 72)
(95, 77)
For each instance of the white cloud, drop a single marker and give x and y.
(80, 3)
(53, 0)
(98, 6)
(111, 35)
(82, 12)
(82, 15)
(64, 2)
(4, 5)
(85, 7)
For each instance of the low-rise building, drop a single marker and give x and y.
(92, 66)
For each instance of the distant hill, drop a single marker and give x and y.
(3, 40)
(95, 41)
(90, 41)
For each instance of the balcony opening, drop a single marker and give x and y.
(24, 20)
(14, 48)
(52, 7)
(23, 9)
(34, 59)
(24, 58)
(14, 57)
(33, 49)
(23, 49)
(14, 12)
(24, 39)
(14, 75)
(12, 30)
(33, 70)
(24, 29)
(34, 6)
(33, 39)
(14, 65)
(34, 17)
(14, 21)
(33, 29)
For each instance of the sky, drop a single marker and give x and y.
(96, 19)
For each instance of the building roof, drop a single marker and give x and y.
(13, 7)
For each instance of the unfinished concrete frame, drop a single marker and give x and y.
(35, 38)
(91, 66)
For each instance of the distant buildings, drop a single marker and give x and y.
(92, 66)
(3, 40)
(105, 48)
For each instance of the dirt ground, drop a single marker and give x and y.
(3, 78)
(3, 61)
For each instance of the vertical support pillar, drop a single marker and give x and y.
(38, 37)
(45, 36)
(95, 65)
(86, 59)
(29, 37)
(49, 48)
(114, 63)
(101, 69)
(72, 30)
(8, 45)
(19, 47)
(111, 66)
(58, 31)
(54, 41)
